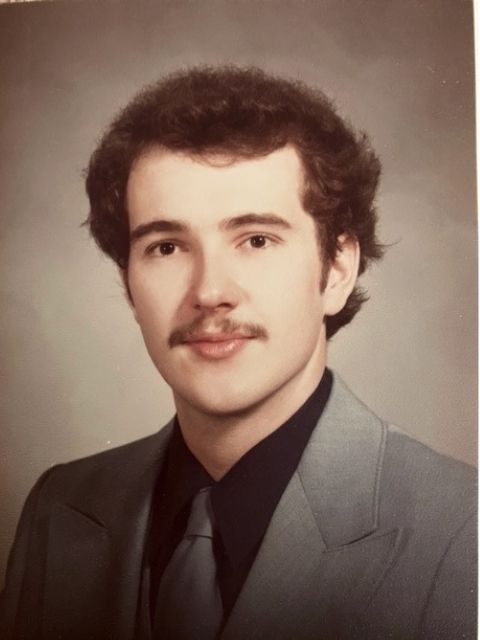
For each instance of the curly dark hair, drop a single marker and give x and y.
(243, 113)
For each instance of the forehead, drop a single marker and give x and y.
(198, 189)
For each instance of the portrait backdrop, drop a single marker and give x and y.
(75, 374)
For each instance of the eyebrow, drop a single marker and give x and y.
(235, 222)
(157, 226)
(266, 219)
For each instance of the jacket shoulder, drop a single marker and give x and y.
(413, 473)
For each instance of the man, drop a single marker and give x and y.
(239, 209)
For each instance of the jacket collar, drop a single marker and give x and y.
(339, 472)
(340, 468)
(120, 487)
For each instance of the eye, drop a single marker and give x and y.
(258, 241)
(165, 248)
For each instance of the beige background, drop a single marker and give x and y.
(75, 376)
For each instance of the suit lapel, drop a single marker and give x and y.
(323, 554)
(102, 531)
(286, 562)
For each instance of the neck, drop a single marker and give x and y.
(219, 441)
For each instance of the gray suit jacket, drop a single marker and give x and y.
(374, 537)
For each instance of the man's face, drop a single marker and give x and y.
(224, 277)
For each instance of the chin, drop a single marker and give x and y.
(222, 402)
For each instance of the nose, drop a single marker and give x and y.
(213, 286)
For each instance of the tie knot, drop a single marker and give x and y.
(200, 521)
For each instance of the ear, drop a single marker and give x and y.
(342, 275)
(126, 290)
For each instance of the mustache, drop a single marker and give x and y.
(227, 326)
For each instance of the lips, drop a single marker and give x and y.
(217, 346)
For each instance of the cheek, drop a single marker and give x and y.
(153, 306)
(295, 277)
(157, 287)
(289, 299)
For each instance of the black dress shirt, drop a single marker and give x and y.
(243, 500)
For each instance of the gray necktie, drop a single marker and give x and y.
(189, 605)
